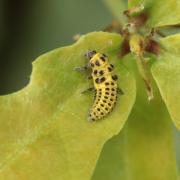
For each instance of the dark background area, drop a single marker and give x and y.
(32, 27)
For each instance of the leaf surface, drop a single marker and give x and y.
(44, 132)
(166, 72)
(161, 12)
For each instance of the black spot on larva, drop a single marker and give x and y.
(97, 63)
(109, 104)
(106, 109)
(106, 83)
(102, 58)
(113, 89)
(102, 79)
(111, 99)
(102, 105)
(112, 83)
(107, 93)
(112, 94)
(102, 113)
(97, 80)
(114, 77)
(104, 101)
(101, 72)
(107, 89)
(112, 66)
(98, 109)
(100, 89)
(92, 65)
(93, 119)
(95, 72)
(105, 97)
(109, 69)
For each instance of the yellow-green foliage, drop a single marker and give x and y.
(44, 132)
(44, 129)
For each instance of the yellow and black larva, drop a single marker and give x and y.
(105, 85)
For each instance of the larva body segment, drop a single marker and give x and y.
(105, 84)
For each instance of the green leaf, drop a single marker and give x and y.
(117, 7)
(44, 132)
(161, 12)
(144, 149)
(166, 72)
(111, 165)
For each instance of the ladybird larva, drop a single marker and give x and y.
(105, 85)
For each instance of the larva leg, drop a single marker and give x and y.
(120, 91)
(83, 68)
(88, 90)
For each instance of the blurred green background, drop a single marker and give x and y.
(32, 27)
(29, 28)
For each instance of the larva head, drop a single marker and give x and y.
(89, 54)
(98, 61)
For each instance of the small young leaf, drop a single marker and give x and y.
(160, 12)
(166, 72)
(44, 131)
